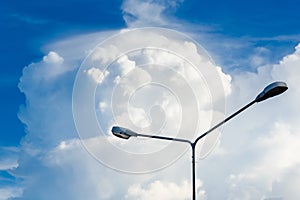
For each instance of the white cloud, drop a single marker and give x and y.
(97, 75)
(8, 163)
(260, 57)
(10, 192)
(287, 186)
(105, 55)
(250, 178)
(138, 117)
(271, 143)
(8, 158)
(103, 106)
(165, 190)
(126, 65)
(138, 13)
(51, 157)
(48, 69)
(226, 81)
(53, 58)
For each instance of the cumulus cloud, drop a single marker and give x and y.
(53, 58)
(97, 75)
(126, 65)
(51, 151)
(164, 190)
(254, 177)
(50, 67)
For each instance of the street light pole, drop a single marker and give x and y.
(204, 134)
(271, 90)
(193, 170)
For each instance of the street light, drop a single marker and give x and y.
(271, 90)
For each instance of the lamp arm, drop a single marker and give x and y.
(225, 120)
(164, 138)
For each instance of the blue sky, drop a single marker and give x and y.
(247, 39)
(28, 26)
(236, 18)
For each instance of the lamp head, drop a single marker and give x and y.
(272, 90)
(122, 132)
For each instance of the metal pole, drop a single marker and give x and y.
(193, 171)
(204, 134)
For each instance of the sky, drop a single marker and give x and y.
(72, 69)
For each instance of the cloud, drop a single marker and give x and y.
(10, 192)
(164, 190)
(252, 177)
(53, 58)
(9, 163)
(8, 158)
(146, 13)
(138, 13)
(52, 157)
(97, 75)
(126, 65)
(50, 67)
(240, 53)
(140, 96)
(271, 141)
(273, 159)
(102, 106)
(66, 169)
